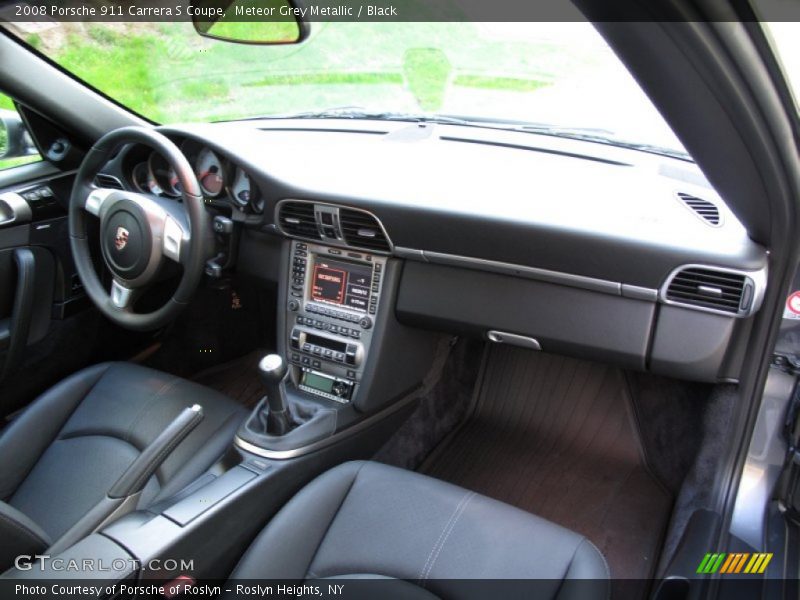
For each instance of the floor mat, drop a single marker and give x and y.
(237, 379)
(555, 437)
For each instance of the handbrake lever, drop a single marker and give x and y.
(124, 494)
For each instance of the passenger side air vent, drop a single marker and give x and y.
(706, 210)
(108, 181)
(362, 230)
(711, 289)
(297, 219)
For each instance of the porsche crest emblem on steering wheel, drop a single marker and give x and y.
(121, 239)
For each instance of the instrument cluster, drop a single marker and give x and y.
(220, 179)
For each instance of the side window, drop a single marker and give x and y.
(16, 146)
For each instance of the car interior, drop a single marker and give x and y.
(309, 349)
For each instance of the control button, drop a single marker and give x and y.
(318, 324)
(326, 326)
(301, 253)
(306, 361)
(334, 251)
(328, 353)
(355, 334)
(378, 267)
(350, 354)
(353, 318)
(344, 330)
(316, 350)
(311, 308)
(338, 356)
(297, 294)
(306, 347)
(301, 320)
(295, 356)
(293, 305)
(375, 288)
(372, 310)
(301, 246)
(45, 192)
(316, 364)
(365, 322)
(334, 328)
(355, 255)
(351, 374)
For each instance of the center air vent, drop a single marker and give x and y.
(712, 289)
(297, 219)
(704, 209)
(362, 230)
(108, 181)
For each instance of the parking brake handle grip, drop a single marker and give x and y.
(153, 456)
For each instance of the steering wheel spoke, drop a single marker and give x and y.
(99, 200)
(174, 240)
(122, 296)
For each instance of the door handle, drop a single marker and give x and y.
(14, 336)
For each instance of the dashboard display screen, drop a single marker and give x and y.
(339, 282)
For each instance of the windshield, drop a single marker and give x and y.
(561, 75)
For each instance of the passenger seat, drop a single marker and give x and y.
(366, 520)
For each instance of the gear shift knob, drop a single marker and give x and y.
(272, 369)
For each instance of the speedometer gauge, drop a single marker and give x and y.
(143, 179)
(209, 173)
(164, 175)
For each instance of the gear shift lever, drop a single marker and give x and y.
(272, 370)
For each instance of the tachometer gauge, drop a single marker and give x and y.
(244, 192)
(143, 180)
(164, 175)
(209, 173)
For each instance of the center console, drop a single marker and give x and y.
(334, 299)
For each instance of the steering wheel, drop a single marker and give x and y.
(138, 232)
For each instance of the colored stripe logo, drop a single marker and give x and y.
(734, 563)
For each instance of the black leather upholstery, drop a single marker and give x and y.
(366, 519)
(63, 454)
(20, 535)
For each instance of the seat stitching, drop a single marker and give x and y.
(460, 512)
(605, 562)
(605, 565)
(423, 571)
(24, 529)
(335, 514)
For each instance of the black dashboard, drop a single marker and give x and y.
(585, 248)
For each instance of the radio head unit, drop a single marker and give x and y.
(333, 299)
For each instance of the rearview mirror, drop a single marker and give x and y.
(265, 22)
(15, 141)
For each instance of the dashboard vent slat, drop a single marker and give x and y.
(362, 230)
(706, 210)
(297, 218)
(108, 181)
(708, 288)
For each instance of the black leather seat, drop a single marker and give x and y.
(65, 451)
(368, 520)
